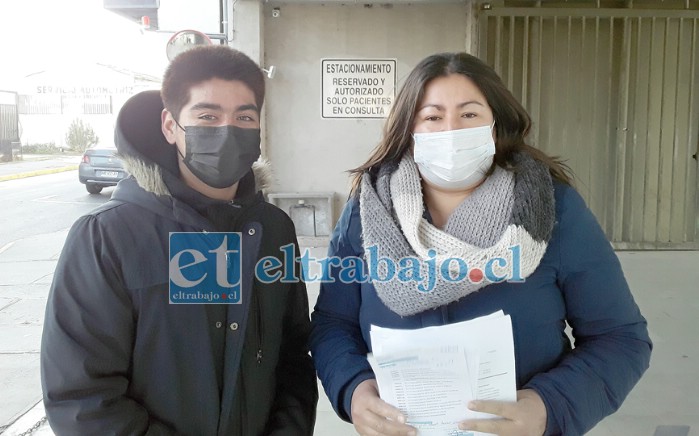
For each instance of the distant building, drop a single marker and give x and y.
(50, 100)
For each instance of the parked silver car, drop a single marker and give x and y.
(100, 167)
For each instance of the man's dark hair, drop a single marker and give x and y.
(205, 63)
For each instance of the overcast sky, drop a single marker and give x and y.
(41, 34)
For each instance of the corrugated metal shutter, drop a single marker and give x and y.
(43, 104)
(613, 91)
(80, 104)
(86, 104)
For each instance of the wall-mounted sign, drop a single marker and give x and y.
(86, 90)
(357, 88)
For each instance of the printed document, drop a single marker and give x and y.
(431, 374)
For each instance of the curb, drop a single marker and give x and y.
(38, 173)
(31, 420)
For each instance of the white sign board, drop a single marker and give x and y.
(357, 88)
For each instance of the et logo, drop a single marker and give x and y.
(205, 268)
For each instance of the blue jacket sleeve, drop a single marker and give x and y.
(612, 347)
(87, 342)
(338, 348)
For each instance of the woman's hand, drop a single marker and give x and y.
(374, 417)
(526, 417)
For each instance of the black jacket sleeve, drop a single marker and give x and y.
(87, 342)
(294, 409)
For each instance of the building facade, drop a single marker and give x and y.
(49, 101)
(611, 87)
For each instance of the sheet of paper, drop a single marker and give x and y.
(430, 385)
(487, 363)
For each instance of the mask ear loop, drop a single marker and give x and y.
(185, 131)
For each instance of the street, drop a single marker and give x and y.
(35, 217)
(38, 205)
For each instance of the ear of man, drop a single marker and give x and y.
(168, 126)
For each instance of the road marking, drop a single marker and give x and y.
(64, 202)
(6, 246)
(50, 199)
(45, 198)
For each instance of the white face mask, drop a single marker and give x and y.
(455, 159)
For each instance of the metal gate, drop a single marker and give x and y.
(615, 93)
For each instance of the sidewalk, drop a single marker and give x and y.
(26, 274)
(38, 164)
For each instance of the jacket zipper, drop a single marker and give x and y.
(242, 407)
(259, 326)
(258, 315)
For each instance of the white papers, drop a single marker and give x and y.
(431, 374)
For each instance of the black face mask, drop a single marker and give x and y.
(220, 156)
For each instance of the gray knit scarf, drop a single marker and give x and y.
(500, 232)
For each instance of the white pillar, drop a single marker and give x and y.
(246, 34)
(247, 28)
(472, 14)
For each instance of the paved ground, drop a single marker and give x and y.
(25, 275)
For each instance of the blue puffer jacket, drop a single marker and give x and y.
(579, 280)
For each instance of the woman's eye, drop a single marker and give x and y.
(469, 115)
(431, 118)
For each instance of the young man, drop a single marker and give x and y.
(119, 354)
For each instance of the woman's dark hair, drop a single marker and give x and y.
(204, 63)
(512, 123)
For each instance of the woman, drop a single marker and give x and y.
(453, 178)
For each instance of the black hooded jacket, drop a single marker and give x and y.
(118, 358)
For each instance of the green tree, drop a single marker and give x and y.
(80, 136)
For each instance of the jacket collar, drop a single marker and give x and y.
(152, 177)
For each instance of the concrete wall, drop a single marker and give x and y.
(311, 154)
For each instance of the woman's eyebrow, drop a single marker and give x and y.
(460, 105)
(466, 103)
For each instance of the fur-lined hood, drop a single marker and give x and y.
(145, 151)
(150, 176)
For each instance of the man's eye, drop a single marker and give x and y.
(207, 117)
(246, 118)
